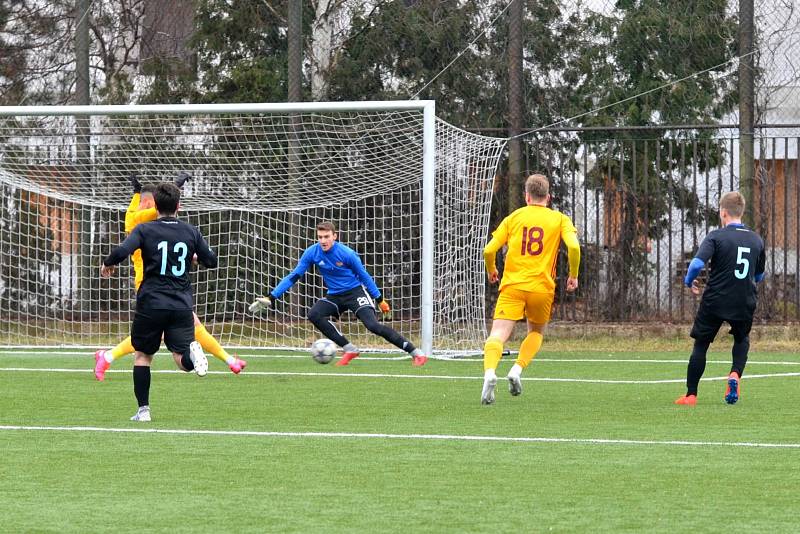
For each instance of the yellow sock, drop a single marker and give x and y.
(122, 349)
(492, 353)
(210, 344)
(530, 346)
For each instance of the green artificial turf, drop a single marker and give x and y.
(380, 446)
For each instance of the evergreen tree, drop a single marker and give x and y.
(632, 54)
(242, 51)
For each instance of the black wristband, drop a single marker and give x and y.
(135, 183)
(182, 178)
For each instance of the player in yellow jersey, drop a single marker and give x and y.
(140, 210)
(533, 235)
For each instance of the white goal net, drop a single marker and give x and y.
(410, 194)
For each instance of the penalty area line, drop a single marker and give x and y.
(364, 357)
(420, 437)
(401, 376)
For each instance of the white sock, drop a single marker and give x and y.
(350, 348)
(489, 373)
(515, 371)
(416, 352)
(230, 360)
(107, 356)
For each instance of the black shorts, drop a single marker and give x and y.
(353, 300)
(707, 324)
(177, 327)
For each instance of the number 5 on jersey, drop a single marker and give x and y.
(743, 262)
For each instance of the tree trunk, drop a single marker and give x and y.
(322, 49)
(295, 37)
(516, 180)
(86, 271)
(746, 106)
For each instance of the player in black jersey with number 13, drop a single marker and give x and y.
(735, 256)
(164, 300)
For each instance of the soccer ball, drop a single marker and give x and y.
(323, 350)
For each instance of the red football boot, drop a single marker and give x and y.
(346, 357)
(687, 400)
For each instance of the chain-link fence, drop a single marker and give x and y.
(776, 41)
(778, 62)
(643, 201)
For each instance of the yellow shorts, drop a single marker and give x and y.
(514, 304)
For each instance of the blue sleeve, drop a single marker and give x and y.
(131, 243)
(694, 269)
(761, 265)
(362, 275)
(298, 272)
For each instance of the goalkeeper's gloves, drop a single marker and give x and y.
(384, 308)
(182, 178)
(262, 303)
(135, 183)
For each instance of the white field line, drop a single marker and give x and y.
(244, 355)
(388, 375)
(400, 358)
(442, 437)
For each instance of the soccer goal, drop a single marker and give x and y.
(410, 193)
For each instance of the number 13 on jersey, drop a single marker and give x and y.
(181, 250)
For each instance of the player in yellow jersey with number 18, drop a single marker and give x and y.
(533, 235)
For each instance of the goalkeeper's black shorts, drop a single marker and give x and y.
(176, 327)
(353, 300)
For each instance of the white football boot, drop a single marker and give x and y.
(487, 395)
(142, 414)
(198, 358)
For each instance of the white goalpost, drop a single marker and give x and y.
(410, 193)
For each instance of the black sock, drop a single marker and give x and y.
(370, 320)
(141, 384)
(739, 353)
(697, 366)
(187, 363)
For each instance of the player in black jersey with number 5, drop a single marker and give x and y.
(164, 300)
(735, 256)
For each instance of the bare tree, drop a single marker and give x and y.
(37, 38)
(38, 42)
(330, 31)
(117, 33)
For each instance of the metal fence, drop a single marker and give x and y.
(643, 199)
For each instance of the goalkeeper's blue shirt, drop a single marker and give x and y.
(340, 267)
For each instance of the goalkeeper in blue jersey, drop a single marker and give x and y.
(350, 287)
